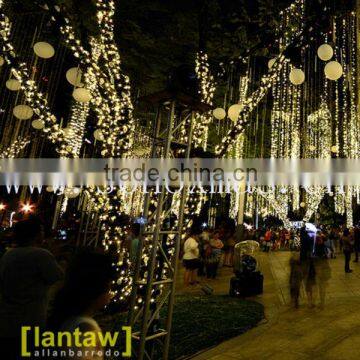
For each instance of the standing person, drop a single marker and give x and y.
(267, 239)
(216, 253)
(357, 243)
(85, 292)
(26, 274)
(347, 244)
(191, 257)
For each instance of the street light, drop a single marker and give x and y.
(26, 208)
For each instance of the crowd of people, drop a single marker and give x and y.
(205, 251)
(311, 266)
(27, 273)
(28, 270)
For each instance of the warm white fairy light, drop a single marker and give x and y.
(319, 138)
(314, 196)
(280, 210)
(349, 207)
(76, 128)
(15, 148)
(206, 92)
(33, 97)
(339, 199)
(250, 104)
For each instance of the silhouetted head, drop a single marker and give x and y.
(28, 232)
(86, 288)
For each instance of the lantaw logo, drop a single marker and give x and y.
(72, 344)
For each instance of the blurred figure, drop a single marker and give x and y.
(26, 274)
(307, 264)
(229, 250)
(86, 291)
(296, 278)
(134, 241)
(323, 273)
(347, 245)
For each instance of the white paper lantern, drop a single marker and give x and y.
(23, 112)
(219, 114)
(44, 50)
(325, 52)
(13, 85)
(334, 149)
(38, 124)
(98, 135)
(82, 95)
(271, 63)
(333, 70)
(73, 76)
(49, 189)
(297, 76)
(2, 61)
(302, 204)
(234, 112)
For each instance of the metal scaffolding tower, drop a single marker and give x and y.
(151, 334)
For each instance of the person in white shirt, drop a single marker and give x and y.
(191, 258)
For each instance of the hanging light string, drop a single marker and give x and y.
(76, 128)
(15, 148)
(110, 99)
(295, 11)
(206, 91)
(36, 100)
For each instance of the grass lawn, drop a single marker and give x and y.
(201, 322)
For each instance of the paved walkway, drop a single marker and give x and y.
(287, 333)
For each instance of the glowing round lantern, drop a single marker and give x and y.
(334, 149)
(325, 52)
(23, 112)
(219, 114)
(333, 70)
(13, 85)
(38, 124)
(73, 76)
(44, 50)
(302, 204)
(297, 76)
(234, 112)
(82, 95)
